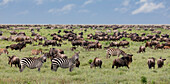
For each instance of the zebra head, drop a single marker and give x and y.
(76, 56)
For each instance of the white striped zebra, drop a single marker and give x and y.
(115, 52)
(32, 62)
(64, 63)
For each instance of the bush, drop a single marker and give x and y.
(144, 80)
(90, 61)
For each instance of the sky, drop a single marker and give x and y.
(84, 11)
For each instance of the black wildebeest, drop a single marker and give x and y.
(97, 62)
(160, 62)
(14, 60)
(151, 62)
(141, 49)
(123, 61)
(18, 46)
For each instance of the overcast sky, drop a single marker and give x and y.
(84, 11)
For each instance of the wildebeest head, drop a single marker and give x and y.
(10, 59)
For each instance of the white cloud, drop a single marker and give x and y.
(122, 10)
(38, 2)
(148, 7)
(64, 9)
(126, 2)
(88, 2)
(4, 2)
(23, 12)
(83, 11)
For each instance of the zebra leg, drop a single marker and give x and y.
(71, 68)
(22, 68)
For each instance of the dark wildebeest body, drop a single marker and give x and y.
(14, 60)
(160, 62)
(96, 63)
(123, 61)
(18, 46)
(141, 49)
(151, 62)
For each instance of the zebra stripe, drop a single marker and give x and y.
(32, 62)
(115, 52)
(64, 63)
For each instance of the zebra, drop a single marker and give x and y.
(32, 62)
(64, 63)
(115, 52)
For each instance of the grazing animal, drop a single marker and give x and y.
(73, 48)
(64, 63)
(141, 49)
(160, 62)
(97, 62)
(14, 60)
(3, 51)
(166, 47)
(32, 62)
(151, 63)
(123, 61)
(18, 46)
(115, 52)
(36, 52)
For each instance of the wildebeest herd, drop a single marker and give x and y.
(60, 59)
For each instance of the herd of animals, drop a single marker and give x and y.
(59, 59)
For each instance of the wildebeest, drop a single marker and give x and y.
(13, 32)
(123, 61)
(141, 49)
(18, 46)
(50, 42)
(159, 46)
(73, 48)
(3, 51)
(14, 60)
(150, 44)
(151, 62)
(166, 47)
(97, 62)
(36, 52)
(160, 62)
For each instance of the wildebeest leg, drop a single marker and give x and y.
(112, 66)
(11, 64)
(18, 65)
(116, 67)
(15, 65)
(127, 66)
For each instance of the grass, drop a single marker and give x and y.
(137, 74)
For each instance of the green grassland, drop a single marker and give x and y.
(137, 73)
